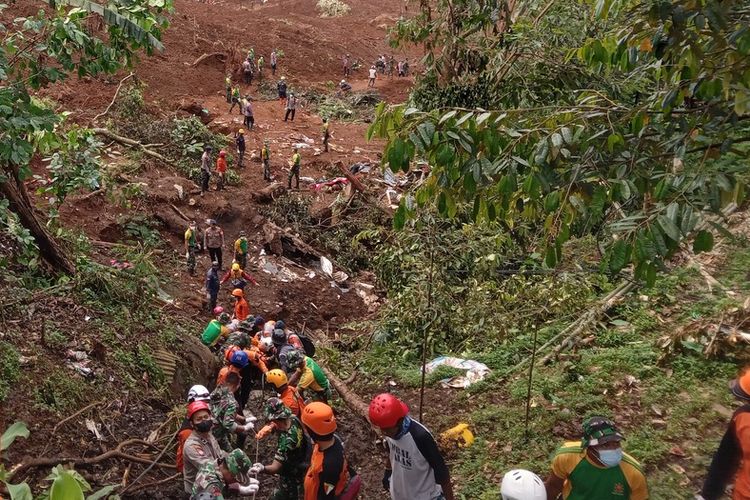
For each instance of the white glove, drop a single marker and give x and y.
(251, 488)
(257, 468)
(249, 426)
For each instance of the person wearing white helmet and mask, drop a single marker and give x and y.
(519, 484)
(196, 393)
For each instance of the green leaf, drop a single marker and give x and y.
(16, 430)
(19, 491)
(704, 242)
(65, 487)
(619, 256)
(550, 257)
(399, 218)
(103, 493)
(669, 227)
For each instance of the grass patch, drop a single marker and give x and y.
(60, 392)
(10, 368)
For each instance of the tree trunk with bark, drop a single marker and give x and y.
(49, 249)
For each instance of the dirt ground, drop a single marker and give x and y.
(313, 47)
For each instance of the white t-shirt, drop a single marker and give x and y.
(417, 465)
(373, 73)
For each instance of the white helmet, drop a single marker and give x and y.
(268, 327)
(198, 393)
(266, 343)
(520, 484)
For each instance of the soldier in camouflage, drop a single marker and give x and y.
(224, 412)
(217, 477)
(291, 459)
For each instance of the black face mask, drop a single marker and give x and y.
(204, 426)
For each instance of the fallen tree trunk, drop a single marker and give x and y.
(269, 193)
(49, 249)
(219, 55)
(133, 144)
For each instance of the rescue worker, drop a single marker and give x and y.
(596, 468)
(237, 359)
(373, 75)
(265, 156)
(416, 469)
(519, 484)
(227, 420)
(273, 62)
(329, 476)
(290, 459)
(347, 65)
(228, 87)
(261, 63)
(307, 375)
(732, 459)
(253, 369)
(291, 106)
(221, 169)
(196, 393)
(205, 168)
(238, 276)
(219, 477)
(212, 285)
(191, 246)
(216, 330)
(240, 250)
(247, 112)
(241, 307)
(391, 66)
(344, 86)
(287, 393)
(247, 71)
(281, 88)
(294, 170)
(235, 99)
(239, 141)
(200, 446)
(213, 241)
(326, 134)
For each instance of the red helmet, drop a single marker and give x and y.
(195, 407)
(218, 310)
(222, 153)
(386, 410)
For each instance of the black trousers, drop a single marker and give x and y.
(289, 111)
(215, 255)
(249, 122)
(205, 176)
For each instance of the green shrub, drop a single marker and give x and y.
(10, 368)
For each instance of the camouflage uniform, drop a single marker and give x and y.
(223, 410)
(209, 480)
(291, 451)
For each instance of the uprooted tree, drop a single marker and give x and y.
(631, 125)
(40, 50)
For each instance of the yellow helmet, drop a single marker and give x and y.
(236, 266)
(277, 378)
(241, 131)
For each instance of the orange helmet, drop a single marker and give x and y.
(741, 385)
(318, 417)
(237, 292)
(222, 153)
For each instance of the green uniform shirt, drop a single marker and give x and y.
(265, 153)
(291, 448)
(296, 158)
(190, 237)
(241, 245)
(223, 407)
(236, 92)
(586, 481)
(209, 480)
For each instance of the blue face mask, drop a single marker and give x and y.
(404, 428)
(610, 458)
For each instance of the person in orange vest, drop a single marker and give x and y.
(241, 307)
(732, 458)
(221, 169)
(287, 393)
(329, 476)
(237, 360)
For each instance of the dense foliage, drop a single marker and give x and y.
(632, 160)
